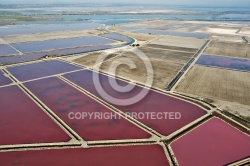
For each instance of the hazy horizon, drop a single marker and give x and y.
(214, 3)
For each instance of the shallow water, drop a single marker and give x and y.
(69, 51)
(116, 21)
(173, 33)
(24, 122)
(63, 99)
(224, 62)
(61, 44)
(118, 37)
(149, 155)
(29, 29)
(213, 143)
(4, 80)
(41, 69)
(6, 50)
(153, 102)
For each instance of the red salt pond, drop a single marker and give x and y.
(67, 102)
(151, 155)
(23, 122)
(213, 143)
(153, 102)
(41, 69)
(4, 80)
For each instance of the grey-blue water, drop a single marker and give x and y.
(110, 14)
(27, 29)
(61, 43)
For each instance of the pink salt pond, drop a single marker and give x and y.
(151, 155)
(213, 143)
(67, 103)
(23, 122)
(153, 102)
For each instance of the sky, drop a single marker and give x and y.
(219, 3)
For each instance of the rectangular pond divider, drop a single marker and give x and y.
(183, 70)
(88, 118)
(152, 102)
(41, 69)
